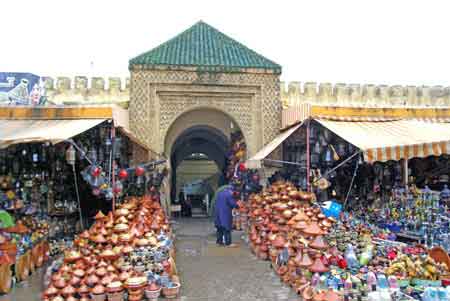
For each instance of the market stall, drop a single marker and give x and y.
(123, 256)
(376, 166)
(51, 161)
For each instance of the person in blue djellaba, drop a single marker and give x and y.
(223, 221)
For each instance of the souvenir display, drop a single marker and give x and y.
(236, 154)
(125, 255)
(344, 258)
(40, 185)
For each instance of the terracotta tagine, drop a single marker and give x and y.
(318, 243)
(279, 242)
(51, 291)
(68, 291)
(305, 260)
(331, 295)
(98, 293)
(60, 283)
(312, 229)
(318, 266)
(71, 298)
(83, 290)
(115, 291)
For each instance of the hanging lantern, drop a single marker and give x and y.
(70, 155)
(255, 178)
(92, 154)
(96, 191)
(96, 171)
(139, 171)
(118, 187)
(109, 194)
(117, 147)
(123, 174)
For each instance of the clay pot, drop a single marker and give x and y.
(279, 242)
(60, 283)
(83, 290)
(294, 194)
(305, 260)
(318, 243)
(92, 280)
(51, 291)
(312, 229)
(331, 295)
(307, 293)
(79, 273)
(68, 291)
(318, 266)
(75, 281)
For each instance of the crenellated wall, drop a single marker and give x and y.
(81, 89)
(294, 93)
(65, 90)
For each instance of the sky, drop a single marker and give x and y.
(380, 42)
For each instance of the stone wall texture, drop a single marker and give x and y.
(159, 97)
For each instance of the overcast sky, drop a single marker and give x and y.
(383, 41)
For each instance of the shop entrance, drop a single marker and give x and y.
(197, 144)
(198, 161)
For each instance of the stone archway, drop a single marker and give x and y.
(199, 131)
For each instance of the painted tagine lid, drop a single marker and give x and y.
(318, 243)
(114, 287)
(313, 229)
(305, 260)
(318, 266)
(98, 289)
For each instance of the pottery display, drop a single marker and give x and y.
(102, 264)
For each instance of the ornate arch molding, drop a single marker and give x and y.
(243, 121)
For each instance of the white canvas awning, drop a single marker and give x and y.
(394, 140)
(256, 160)
(54, 131)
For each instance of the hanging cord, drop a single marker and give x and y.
(351, 183)
(78, 195)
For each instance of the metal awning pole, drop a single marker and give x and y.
(351, 185)
(282, 162)
(308, 153)
(337, 166)
(405, 172)
(113, 166)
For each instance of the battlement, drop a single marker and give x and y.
(355, 95)
(81, 89)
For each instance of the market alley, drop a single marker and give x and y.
(209, 272)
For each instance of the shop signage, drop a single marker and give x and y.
(18, 88)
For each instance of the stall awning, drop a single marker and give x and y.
(256, 160)
(394, 140)
(54, 131)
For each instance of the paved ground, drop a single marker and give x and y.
(29, 290)
(208, 272)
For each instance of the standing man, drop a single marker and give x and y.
(223, 216)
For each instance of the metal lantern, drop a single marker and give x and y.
(117, 147)
(71, 155)
(92, 154)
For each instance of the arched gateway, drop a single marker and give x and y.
(190, 92)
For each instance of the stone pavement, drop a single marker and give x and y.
(207, 272)
(210, 272)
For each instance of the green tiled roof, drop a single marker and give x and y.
(204, 47)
